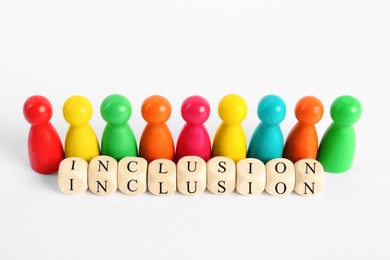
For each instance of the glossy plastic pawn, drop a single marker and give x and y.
(194, 139)
(118, 140)
(230, 139)
(302, 141)
(337, 147)
(45, 149)
(156, 140)
(267, 140)
(81, 140)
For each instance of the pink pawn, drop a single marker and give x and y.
(194, 138)
(44, 144)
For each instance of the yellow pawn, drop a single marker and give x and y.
(230, 139)
(81, 140)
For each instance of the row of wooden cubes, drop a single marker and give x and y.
(191, 175)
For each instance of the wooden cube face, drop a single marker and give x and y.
(250, 176)
(221, 175)
(73, 175)
(132, 175)
(102, 175)
(280, 176)
(162, 177)
(191, 175)
(309, 177)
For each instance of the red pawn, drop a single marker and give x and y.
(44, 144)
(194, 138)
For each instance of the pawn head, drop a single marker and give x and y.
(195, 110)
(346, 110)
(271, 109)
(37, 110)
(77, 110)
(232, 109)
(156, 109)
(309, 110)
(116, 109)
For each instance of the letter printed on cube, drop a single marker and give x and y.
(191, 175)
(221, 175)
(132, 175)
(250, 176)
(309, 177)
(162, 177)
(102, 175)
(73, 175)
(280, 176)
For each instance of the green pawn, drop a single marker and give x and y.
(118, 139)
(337, 147)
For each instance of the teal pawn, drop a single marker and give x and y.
(267, 140)
(337, 147)
(118, 139)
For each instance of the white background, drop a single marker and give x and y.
(177, 49)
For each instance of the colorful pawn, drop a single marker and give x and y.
(230, 139)
(156, 140)
(194, 138)
(267, 140)
(337, 147)
(118, 139)
(45, 149)
(81, 140)
(302, 141)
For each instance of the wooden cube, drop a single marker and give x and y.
(191, 175)
(250, 176)
(73, 175)
(132, 175)
(221, 175)
(102, 175)
(280, 176)
(309, 177)
(162, 177)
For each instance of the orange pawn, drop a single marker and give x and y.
(156, 140)
(302, 141)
